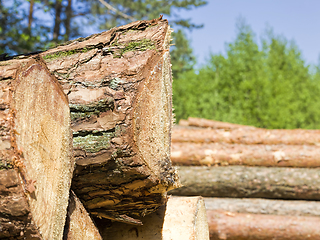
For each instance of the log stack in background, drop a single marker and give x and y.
(241, 168)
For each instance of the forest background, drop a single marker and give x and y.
(265, 84)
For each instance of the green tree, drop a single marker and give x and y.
(269, 87)
(181, 53)
(61, 20)
(15, 35)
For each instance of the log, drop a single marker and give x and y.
(249, 182)
(239, 226)
(224, 154)
(79, 225)
(119, 89)
(36, 153)
(15, 216)
(180, 218)
(264, 206)
(246, 136)
(206, 123)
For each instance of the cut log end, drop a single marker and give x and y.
(79, 225)
(43, 146)
(180, 218)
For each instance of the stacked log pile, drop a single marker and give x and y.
(258, 183)
(85, 138)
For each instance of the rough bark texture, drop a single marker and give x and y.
(180, 218)
(258, 182)
(119, 89)
(246, 136)
(264, 206)
(238, 226)
(224, 154)
(79, 225)
(15, 216)
(36, 141)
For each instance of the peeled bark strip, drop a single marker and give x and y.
(180, 218)
(238, 226)
(246, 136)
(264, 206)
(224, 154)
(36, 140)
(206, 123)
(256, 182)
(79, 225)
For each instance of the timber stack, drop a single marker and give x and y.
(85, 136)
(257, 183)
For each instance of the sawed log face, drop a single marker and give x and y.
(36, 141)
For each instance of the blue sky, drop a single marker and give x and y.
(297, 20)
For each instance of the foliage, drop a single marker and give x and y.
(181, 54)
(270, 87)
(15, 36)
(61, 20)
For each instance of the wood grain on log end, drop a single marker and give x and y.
(42, 143)
(180, 218)
(79, 225)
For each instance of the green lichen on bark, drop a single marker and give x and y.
(55, 55)
(139, 45)
(5, 164)
(92, 141)
(80, 111)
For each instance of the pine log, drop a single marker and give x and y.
(180, 218)
(239, 226)
(246, 136)
(119, 89)
(224, 154)
(79, 225)
(264, 206)
(206, 123)
(250, 182)
(36, 154)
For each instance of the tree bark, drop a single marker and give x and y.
(206, 123)
(257, 182)
(15, 215)
(180, 218)
(246, 136)
(30, 16)
(264, 206)
(35, 141)
(224, 154)
(239, 226)
(119, 89)
(57, 19)
(67, 21)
